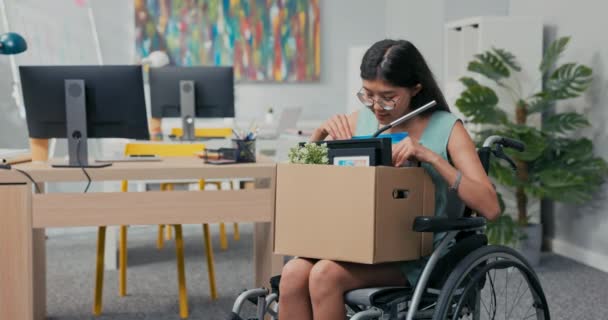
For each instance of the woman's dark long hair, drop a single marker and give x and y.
(399, 63)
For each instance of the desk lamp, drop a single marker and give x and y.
(12, 43)
(156, 59)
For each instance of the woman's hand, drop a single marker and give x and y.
(410, 149)
(337, 127)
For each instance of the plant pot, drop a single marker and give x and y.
(530, 246)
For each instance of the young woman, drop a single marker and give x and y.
(396, 80)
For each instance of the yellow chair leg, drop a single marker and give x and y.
(223, 237)
(181, 272)
(101, 248)
(160, 240)
(237, 235)
(122, 262)
(169, 234)
(208, 251)
(210, 263)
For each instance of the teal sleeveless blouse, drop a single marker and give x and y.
(434, 137)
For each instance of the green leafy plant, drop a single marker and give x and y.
(310, 153)
(555, 164)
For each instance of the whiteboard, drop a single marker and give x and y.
(58, 32)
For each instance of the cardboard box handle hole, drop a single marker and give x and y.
(400, 193)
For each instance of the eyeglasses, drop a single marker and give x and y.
(369, 102)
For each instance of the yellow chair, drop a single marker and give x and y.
(162, 150)
(205, 132)
(209, 133)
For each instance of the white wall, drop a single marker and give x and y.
(422, 22)
(353, 81)
(580, 232)
(458, 9)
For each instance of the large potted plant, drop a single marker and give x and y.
(556, 164)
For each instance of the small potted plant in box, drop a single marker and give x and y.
(309, 153)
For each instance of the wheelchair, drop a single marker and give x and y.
(464, 277)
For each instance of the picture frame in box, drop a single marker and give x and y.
(379, 148)
(360, 157)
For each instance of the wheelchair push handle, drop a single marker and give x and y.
(494, 145)
(505, 142)
(513, 144)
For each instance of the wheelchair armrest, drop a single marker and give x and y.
(442, 224)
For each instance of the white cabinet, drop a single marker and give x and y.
(522, 36)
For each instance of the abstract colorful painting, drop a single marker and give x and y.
(265, 40)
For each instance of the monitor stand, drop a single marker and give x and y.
(76, 123)
(187, 107)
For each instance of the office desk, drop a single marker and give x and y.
(25, 215)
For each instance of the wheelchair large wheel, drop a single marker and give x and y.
(492, 283)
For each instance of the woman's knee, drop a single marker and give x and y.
(294, 277)
(325, 279)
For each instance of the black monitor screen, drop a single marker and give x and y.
(115, 104)
(214, 91)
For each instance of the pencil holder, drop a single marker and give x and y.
(245, 150)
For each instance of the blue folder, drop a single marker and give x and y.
(395, 137)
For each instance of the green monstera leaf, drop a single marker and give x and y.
(507, 58)
(564, 122)
(489, 65)
(479, 104)
(469, 82)
(555, 50)
(569, 171)
(533, 139)
(560, 178)
(568, 81)
(564, 186)
(539, 103)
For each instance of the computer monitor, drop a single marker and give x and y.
(192, 92)
(80, 102)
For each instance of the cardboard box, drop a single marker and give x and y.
(354, 214)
